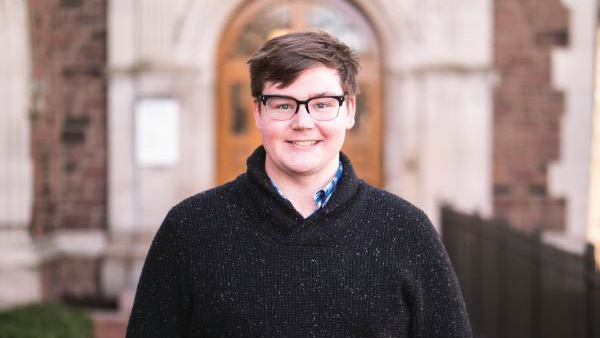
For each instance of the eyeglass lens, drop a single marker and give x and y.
(319, 108)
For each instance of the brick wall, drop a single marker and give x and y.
(527, 111)
(71, 279)
(69, 45)
(69, 121)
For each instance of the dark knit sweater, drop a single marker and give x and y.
(240, 261)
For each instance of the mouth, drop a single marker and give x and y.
(304, 142)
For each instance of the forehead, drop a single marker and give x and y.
(314, 80)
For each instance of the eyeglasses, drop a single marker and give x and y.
(322, 108)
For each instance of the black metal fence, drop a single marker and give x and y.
(516, 286)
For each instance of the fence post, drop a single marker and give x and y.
(590, 284)
(483, 252)
(536, 285)
(476, 264)
(502, 268)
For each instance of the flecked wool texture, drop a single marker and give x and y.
(239, 261)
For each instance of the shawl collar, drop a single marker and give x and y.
(282, 222)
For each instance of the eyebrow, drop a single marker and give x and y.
(310, 96)
(322, 94)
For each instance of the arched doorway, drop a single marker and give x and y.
(253, 24)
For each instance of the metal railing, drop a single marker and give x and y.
(516, 286)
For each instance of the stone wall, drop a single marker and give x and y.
(437, 101)
(69, 133)
(527, 111)
(573, 73)
(594, 201)
(18, 271)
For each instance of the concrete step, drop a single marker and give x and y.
(113, 324)
(109, 324)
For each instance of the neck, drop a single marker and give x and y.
(299, 188)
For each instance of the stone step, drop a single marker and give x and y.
(109, 324)
(113, 324)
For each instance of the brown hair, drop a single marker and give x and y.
(282, 59)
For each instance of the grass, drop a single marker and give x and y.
(44, 321)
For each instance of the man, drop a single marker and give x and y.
(298, 246)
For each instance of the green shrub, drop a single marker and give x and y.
(44, 321)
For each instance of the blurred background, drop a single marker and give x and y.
(481, 112)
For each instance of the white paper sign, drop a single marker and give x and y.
(157, 132)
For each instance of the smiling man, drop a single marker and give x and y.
(298, 246)
(303, 127)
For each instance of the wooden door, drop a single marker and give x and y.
(250, 27)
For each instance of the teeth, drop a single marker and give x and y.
(304, 143)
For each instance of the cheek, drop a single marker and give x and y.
(271, 132)
(334, 133)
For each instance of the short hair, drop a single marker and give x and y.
(283, 58)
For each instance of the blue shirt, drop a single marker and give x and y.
(322, 196)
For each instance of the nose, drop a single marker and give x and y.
(302, 119)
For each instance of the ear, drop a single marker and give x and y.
(256, 113)
(350, 111)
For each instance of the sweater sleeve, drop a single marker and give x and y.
(437, 305)
(162, 302)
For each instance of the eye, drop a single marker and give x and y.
(281, 103)
(323, 103)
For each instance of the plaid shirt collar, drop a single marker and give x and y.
(322, 196)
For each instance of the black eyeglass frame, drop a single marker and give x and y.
(340, 98)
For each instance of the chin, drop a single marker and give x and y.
(303, 168)
(309, 163)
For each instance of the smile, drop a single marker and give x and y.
(304, 143)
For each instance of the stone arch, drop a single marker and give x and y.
(438, 108)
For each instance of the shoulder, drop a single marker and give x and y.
(385, 203)
(222, 195)
(207, 206)
(406, 227)
(395, 216)
(198, 222)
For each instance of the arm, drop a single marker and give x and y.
(437, 305)
(163, 298)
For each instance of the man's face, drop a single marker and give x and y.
(302, 146)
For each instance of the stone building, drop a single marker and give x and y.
(114, 110)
